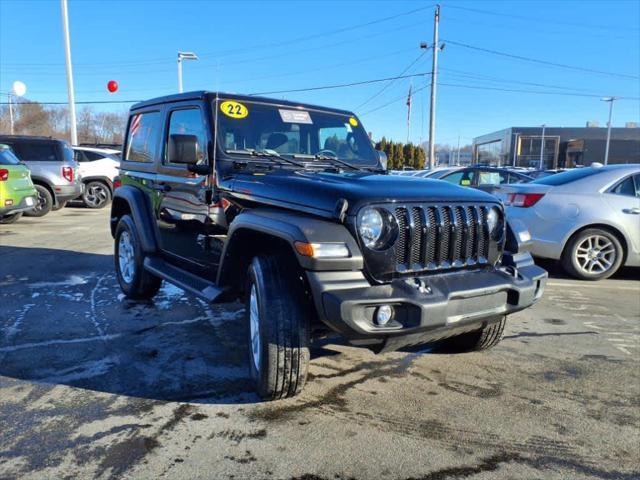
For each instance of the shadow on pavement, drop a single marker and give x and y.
(63, 320)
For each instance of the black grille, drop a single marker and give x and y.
(439, 237)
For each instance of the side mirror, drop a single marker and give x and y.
(183, 149)
(382, 158)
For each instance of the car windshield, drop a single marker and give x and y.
(295, 133)
(568, 176)
(7, 157)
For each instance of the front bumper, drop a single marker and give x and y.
(27, 203)
(427, 308)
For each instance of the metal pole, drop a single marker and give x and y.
(10, 113)
(434, 78)
(179, 74)
(606, 149)
(70, 93)
(515, 149)
(542, 147)
(458, 155)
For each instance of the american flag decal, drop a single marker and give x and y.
(135, 124)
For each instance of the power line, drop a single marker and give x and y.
(540, 92)
(542, 62)
(392, 101)
(341, 85)
(251, 48)
(375, 95)
(544, 20)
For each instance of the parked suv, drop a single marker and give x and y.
(17, 194)
(98, 167)
(53, 170)
(289, 207)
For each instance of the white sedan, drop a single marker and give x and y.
(588, 218)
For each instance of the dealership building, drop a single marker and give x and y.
(561, 147)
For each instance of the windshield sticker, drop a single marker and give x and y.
(234, 109)
(353, 122)
(295, 116)
(348, 127)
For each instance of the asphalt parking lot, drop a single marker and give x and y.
(95, 386)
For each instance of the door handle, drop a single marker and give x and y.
(162, 187)
(632, 211)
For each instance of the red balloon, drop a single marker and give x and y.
(112, 86)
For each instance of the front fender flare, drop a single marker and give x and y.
(291, 227)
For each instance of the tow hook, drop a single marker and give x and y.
(510, 270)
(419, 285)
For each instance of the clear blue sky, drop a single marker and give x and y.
(250, 47)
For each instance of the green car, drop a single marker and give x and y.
(17, 193)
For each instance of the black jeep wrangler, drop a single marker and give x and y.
(289, 207)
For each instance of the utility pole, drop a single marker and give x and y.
(458, 155)
(10, 113)
(542, 147)
(70, 93)
(434, 78)
(606, 149)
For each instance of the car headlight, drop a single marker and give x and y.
(494, 223)
(377, 228)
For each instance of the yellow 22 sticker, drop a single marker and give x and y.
(353, 122)
(234, 109)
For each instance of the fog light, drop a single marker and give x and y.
(384, 314)
(8, 203)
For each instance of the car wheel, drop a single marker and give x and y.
(135, 281)
(483, 339)
(44, 203)
(96, 195)
(60, 206)
(593, 254)
(7, 219)
(277, 316)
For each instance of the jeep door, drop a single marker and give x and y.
(187, 233)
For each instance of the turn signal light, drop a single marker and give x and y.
(4, 174)
(524, 200)
(322, 250)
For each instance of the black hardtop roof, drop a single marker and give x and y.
(5, 138)
(202, 94)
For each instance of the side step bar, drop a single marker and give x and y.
(202, 289)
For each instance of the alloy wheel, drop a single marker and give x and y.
(96, 195)
(126, 258)
(595, 254)
(254, 328)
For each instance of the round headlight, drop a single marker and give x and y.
(494, 223)
(376, 227)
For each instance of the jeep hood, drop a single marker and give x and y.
(318, 192)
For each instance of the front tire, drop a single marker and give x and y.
(136, 283)
(277, 316)
(593, 254)
(44, 205)
(8, 219)
(483, 339)
(96, 195)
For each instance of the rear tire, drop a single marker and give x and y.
(593, 254)
(8, 219)
(59, 206)
(483, 339)
(277, 317)
(136, 283)
(45, 202)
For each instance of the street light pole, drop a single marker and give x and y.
(542, 148)
(10, 113)
(606, 149)
(70, 92)
(183, 56)
(434, 78)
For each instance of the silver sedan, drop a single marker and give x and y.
(588, 218)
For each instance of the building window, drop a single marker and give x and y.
(489, 153)
(528, 151)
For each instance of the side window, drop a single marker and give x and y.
(626, 187)
(36, 152)
(142, 142)
(490, 178)
(78, 156)
(464, 178)
(93, 156)
(636, 179)
(188, 122)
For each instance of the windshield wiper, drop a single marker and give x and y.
(264, 152)
(326, 157)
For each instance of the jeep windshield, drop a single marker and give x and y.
(307, 136)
